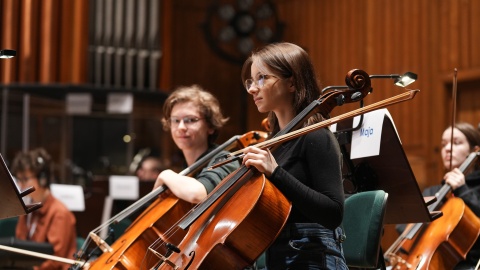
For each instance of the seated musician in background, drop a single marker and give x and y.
(149, 169)
(53, 222)
(307, 170)
(466, 139)
(194, 118)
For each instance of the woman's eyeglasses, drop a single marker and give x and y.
(260, 82)
(187, 120)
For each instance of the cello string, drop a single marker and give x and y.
(160, 242)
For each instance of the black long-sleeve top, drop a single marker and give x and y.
(309, 175)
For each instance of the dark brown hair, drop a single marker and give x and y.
(287, 60)
(38, 161)
(470, 132)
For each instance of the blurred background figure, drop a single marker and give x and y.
(53, 223)
(149, 169)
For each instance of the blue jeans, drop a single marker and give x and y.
(306, 246)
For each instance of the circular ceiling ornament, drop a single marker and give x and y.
(233, 28)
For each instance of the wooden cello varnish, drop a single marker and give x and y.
(444, 242)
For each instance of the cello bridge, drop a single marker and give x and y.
(100, 242)
(164, 259)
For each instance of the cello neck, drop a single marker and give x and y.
(446, 188)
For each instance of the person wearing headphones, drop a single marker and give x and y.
(53, 222)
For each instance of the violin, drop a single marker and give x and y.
(241, 217)
(442, 243)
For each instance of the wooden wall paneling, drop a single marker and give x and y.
(454, 37)
(419, 115)
(49, 40)
(9, 39)
(409, 56)
(442, 42)
(196, 63)
(80, 41)
(473, 32)
(463, 32)
(165, 40)
(67, 28)
(435, 95)
(27, 51)
(341, 56)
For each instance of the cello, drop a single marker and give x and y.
(444, 242)
(159, 215)
(240, 218)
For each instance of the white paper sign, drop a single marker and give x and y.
(119, 103)
(123, 187)
(366, 140)
(70, 195)
(79, 103)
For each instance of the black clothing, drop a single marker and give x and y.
(309, 175)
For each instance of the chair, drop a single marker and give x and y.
(8, 226)
(80, 240)
(363, 227)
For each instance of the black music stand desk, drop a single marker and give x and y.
(11, 201)
(389, 171)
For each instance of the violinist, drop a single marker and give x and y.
(282, 82)
(53, 223)
(466, 139)
(194, 118)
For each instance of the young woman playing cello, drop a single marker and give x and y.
(307, 170)
(466, 139)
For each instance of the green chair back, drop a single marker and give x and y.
(7, 226)
(363, 226)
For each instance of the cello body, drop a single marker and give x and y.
(235, 230)
(128, 250)
(443, 243)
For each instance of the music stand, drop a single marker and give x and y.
(389, 171)
(11, 197)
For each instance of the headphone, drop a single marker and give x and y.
(43, 175)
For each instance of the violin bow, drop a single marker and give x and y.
(454, 110)
(45, 256)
